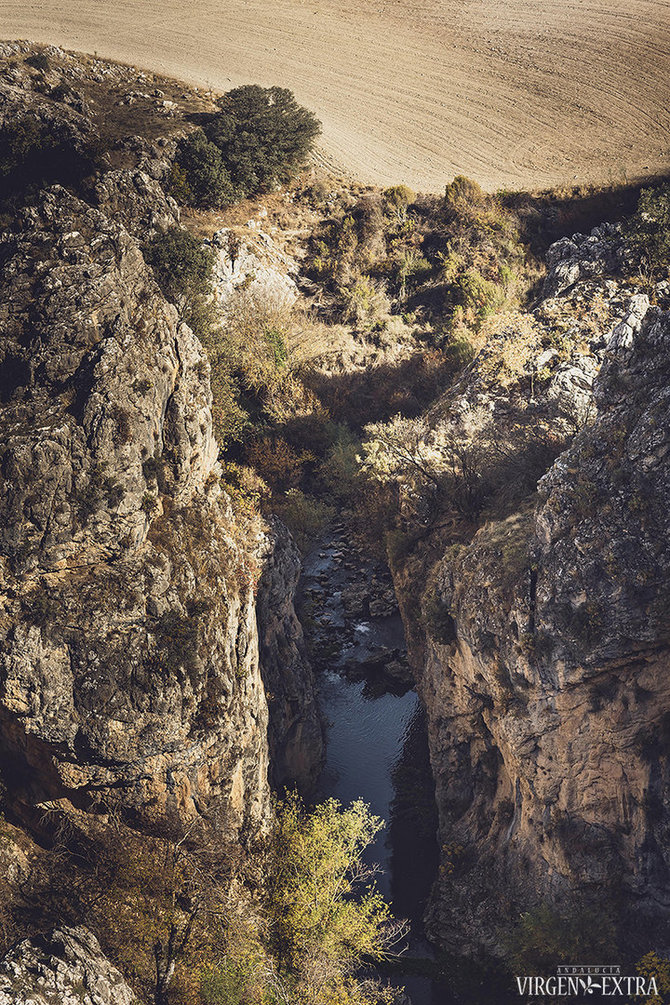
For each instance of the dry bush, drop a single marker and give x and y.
(304, 515)
(279, 464)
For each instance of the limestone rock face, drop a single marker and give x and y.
(136, 199)
(129, 646)
(129, 671)
(248, 262)
(548, 699)
(93, 352)
(582, 256)
(66, 965)
(295, 731)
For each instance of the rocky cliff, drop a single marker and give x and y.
(129, 653)
(543, 670)
(66, 966)
(295, 729)
(129, 650)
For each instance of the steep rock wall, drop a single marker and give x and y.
(548, 712)
(295, 729)
(129, 673)
(64, 965)
(132, 595)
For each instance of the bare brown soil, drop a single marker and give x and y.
(513, 93)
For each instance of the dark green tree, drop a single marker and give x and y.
(199, 176)
(183, 269)
(181, 263)
(263, 134)
(36, 152)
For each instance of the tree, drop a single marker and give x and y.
(263, 134)
(395, 449)
(653, 965)
(397, 200)
(199, 176)
(462, 196)
(183, 269)
(543, 938)
(324, 912)
(37, 152)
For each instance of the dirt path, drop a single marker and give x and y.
(516, 93)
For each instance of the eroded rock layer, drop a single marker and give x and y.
(544, 671)
(129, 664)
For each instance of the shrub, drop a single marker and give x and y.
(479, 248)
(39, 61)
(254, 338)
(400, 545)
(459, 352)
(94, 492)
(437, 618)
(394, 450)
(335, 249)
(176, 644)
(199, 176)
(229, 981)
(254, 351)
(62, 91)
(364, 302)
(35, 152)
(648, 231)
(477, 296)
(397, 200)
(183, 269)
(462, 195)
(543, 938)
(153, 469)
(327, 914)
(230, 419)
(149, 504)
(191, 919)
(277, 462)
(181, 264)
(244, 486)
(274, 337)
(123, 430)
(263, 134)
(41, 609)
(654, 966)
(340, 470)
(305, 516)
(410, 268)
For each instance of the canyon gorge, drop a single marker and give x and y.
(172, 654)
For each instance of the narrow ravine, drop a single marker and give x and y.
(376, 742)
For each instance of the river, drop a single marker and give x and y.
(376, 741)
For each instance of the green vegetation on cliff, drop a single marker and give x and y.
(194, 920)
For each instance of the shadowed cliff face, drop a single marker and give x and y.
(549, 704)
(295, 727)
